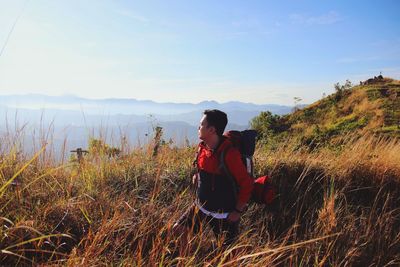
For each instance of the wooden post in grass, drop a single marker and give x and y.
(16, 184)
(80, 152)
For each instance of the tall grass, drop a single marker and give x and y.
(334, 207)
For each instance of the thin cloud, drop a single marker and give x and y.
(349, 60)
(89, 44)
(331, 17)
(384, 43)
(251, 26)
(129, 14)
(247, 23)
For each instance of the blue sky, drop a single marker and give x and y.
(191, 51)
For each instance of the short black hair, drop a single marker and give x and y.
(217, 119)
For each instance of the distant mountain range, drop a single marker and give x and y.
(132, 110)
(70, 120)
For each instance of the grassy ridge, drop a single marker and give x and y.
(368, 108)
(335, 207)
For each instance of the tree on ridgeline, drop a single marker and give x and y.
(266, 124)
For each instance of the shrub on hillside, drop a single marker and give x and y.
(267, 124)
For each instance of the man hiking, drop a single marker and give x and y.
(219, 201)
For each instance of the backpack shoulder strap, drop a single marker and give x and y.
(222, 164)
(196, 159)
(224, 168)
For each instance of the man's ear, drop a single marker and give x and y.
(213, 129)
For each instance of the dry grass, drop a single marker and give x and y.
(335, 207)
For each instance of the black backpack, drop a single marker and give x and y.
(245, 141)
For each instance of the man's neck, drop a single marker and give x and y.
(213, 142)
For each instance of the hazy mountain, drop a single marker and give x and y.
(71, 121)
(128, 106)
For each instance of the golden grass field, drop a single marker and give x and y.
(335, 207)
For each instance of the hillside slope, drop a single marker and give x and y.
(371, 107)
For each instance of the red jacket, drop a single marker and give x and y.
(215, 190)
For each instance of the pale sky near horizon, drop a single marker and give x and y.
(264, 52)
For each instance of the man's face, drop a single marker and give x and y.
(205, 131)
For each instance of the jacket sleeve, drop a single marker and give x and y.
(234, 163)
